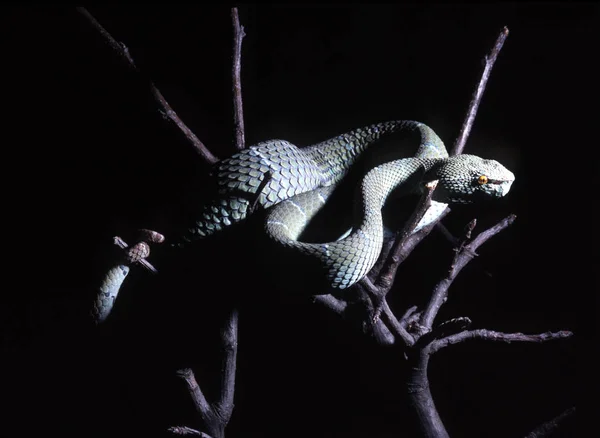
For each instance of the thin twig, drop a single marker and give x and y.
(406, 248)
(332, 303)
(490, 335)
(461, 258)
(200, 402)
(238, 113)
(459, 145)
(396, 327)
(187, 431)
(447, 328)
(145, 263)
(549, 427)
(123, 52)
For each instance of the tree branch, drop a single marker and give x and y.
(122, 50)
(217, 417)
(396, 327)
(400, 248)
(459, 145)
(229, 344)
(187, 431)
(332, 303)
(490, 335)
(463, 256)
(238, 113)
(550, 427)
(200, 402)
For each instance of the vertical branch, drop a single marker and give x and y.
(216, 417)
(238, 113)
(419, 394)
(459, 145)
(229, 343)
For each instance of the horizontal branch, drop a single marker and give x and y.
(187, 431)
(332, 303)
(122, 50)
(489, 335)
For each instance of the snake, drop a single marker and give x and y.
(292, 184)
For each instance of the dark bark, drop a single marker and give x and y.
(420, 398)
(238, 111)
(414, 334)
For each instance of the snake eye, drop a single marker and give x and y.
(482, 180)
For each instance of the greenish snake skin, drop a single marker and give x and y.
(272, 171)
(294, 183)
(108, 291)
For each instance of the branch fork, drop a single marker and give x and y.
(413, 333)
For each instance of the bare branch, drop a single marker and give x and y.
(145, 263)
(461, 258)
(123, 52)
(332, 303)
(187, 431)
(397, 328)
(489, 335)
(229, 344)
(401, 247)
(550, 427)
(410, 314)
(202, 406)
(238, 113)
(459, 145)
(452, 326)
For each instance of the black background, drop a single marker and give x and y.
(90, 157)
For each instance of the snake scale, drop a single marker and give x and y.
(294, 183)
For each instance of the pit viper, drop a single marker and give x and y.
(293, 184)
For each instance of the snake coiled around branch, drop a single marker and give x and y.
(294, 183)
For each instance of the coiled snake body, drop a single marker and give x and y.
(294, 184)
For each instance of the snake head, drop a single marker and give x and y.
(467, 178)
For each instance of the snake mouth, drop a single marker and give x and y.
(502, 187)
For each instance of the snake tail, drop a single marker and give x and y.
(108, 291)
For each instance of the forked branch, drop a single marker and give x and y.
(464, 254)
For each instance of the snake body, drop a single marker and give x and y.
(108, 291)
(272, 171)
(294, 184)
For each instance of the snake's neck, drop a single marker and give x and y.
(335, 156)
(352, 257)
(381, 181)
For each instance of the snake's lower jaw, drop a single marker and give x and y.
(502, 188)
